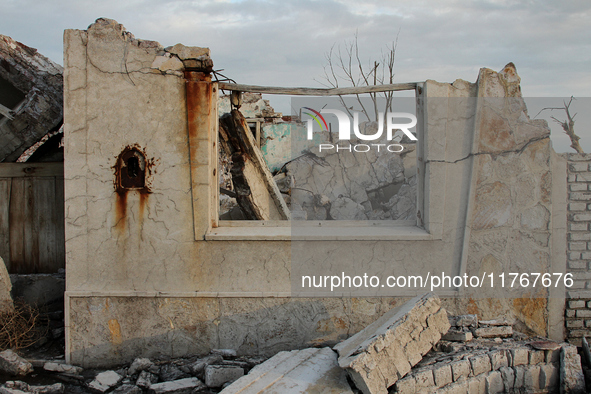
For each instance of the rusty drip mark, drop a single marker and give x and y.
(143, 200)
(121, 210)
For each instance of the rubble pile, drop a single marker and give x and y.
(413, 348)
(196, 374)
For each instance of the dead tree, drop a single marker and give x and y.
(345, 67)
(567, 125)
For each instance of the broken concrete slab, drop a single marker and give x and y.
(65, 368)
(572, 379)
(104, 381)
(187, 385)
(127, 389)
(376, 357)
(299, 371)
(6, 304)
(13, 364)
(18, 387)
(218, 375)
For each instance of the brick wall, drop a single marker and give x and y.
(578, 307)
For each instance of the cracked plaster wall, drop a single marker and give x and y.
(142, 281)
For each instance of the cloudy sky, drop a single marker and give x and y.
(283, 43)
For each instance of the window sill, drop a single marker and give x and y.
(318, 231)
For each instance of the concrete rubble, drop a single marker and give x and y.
(31, 97)
(12, 364)
(299, 371)
(413, 348)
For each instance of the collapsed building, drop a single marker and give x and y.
(153, 269)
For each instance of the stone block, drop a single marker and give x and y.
(577, 265)
(493, 332)
(531, 377)
(520, 376)
(455, 335)
(580, 196)
(549, 377)
(498, 359)
(13, 364)
(508, 375)
(406, 385)
(460, 387)
(571, 371)
(104, 381)
(442, 374)
(536, 357)
(480, 364)
(580, 236)
(477, 384)
(359, 354)
(181, 386)
(460, 368)
(424, 378)
(494, 383)
(577, 206)
(298, 371)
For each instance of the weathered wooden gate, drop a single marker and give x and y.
(32, 217)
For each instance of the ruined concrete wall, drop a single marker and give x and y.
(578, 312)
(148, 273)
(31, 85)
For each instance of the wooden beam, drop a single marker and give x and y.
(40, 169)
(317, 91)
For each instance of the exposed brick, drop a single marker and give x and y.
(498, 359)
(480, 364)
(580, 236)
(579, 285)
(577, 167)
(586, 255)
(578, 226)
(577, 206)
(577, 245)
(572, 177)
(584, 177)
(494, 383)
(578, 187)
(580, 196)
(536, 357)
(583, 313)
(519, 356)
(574, 255)
(579, 333)
(574, 304)
(570, 313)
(460, 368)
(589, 304)
(442, 375)
(577, 265)
(574, 324)
(587, 323)
(581, 217)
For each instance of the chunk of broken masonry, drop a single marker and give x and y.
(188, 385)
(105, 381)
(299, 371)
(493, 331)
(571, 372)
(56, 367)
(13, 364)
(376, 357)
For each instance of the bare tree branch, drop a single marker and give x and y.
(568, 125)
